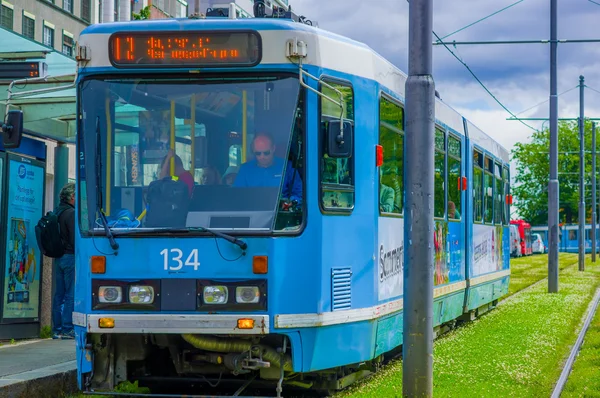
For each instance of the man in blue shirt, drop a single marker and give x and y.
(266, 170)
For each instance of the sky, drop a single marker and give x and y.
(517, 74)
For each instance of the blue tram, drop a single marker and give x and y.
(568, 235)
(293, 274)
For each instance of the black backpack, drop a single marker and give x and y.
(168, 203)
(47, 234)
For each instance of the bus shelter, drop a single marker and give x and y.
(48, 105)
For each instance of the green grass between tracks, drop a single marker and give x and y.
(525, 271)
(517, 350)
(584, 380)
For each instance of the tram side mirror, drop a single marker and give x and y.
(338, 143)
(12, 130)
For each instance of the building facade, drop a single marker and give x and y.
(53, 23)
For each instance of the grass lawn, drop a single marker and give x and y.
(525, 271)
(516, 350)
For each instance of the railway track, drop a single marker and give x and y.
(564, 376)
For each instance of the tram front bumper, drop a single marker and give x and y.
(173, 323)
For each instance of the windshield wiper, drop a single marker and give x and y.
(111, 239)
(134, 231)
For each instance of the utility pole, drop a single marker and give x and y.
(593, 192)
(581, 176)
(553, 181)
(417, 347)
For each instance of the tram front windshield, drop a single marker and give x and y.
(233, 143)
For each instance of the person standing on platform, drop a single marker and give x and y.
(64, 268)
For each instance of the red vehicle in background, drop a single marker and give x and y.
(525, 235)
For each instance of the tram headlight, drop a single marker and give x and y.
(215, 295)
(141, 294)
(110, 294)
(247, 294)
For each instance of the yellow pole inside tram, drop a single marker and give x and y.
(244, 125)
(193, 133)
(108, 152)
(173, 136)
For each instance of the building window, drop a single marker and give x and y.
(68, 5)
(48, 37)
(85, 10)
(28, 27)
(67, 48)
(180, 10)
(6, 17)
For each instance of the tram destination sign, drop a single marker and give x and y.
(185, 49)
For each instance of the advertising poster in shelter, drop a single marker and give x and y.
(22, 257)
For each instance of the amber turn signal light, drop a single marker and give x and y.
(98, 264)
(260, 264)
(245, 323)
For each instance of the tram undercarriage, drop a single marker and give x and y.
(209, 364)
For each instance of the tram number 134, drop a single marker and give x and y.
(173, 259)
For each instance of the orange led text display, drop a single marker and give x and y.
(184, 49)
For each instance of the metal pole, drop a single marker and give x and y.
(417, 375)
(581, 176)
(61, 170)
(593, 192)
(553, 182)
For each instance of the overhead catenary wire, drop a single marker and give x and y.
(484, 87)
(480, 20)
(473, 73)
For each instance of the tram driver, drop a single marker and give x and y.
(265, 170)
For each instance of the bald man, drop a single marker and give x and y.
(265, 170)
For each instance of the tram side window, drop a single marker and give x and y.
(454, 180)
(506, 212)
(440, 175)
(499, 189)
(488, 191)
(572, 234)
(391, 172)
(337, 174)
(478, 186)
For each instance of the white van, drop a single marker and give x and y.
(537, 244)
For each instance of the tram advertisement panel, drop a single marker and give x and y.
(23, 259)
(390, 258)
(487, 249)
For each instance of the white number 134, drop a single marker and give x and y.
(176, 257)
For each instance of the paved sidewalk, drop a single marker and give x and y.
(38, 368)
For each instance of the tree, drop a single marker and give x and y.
(533, 172)
(144, 14)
